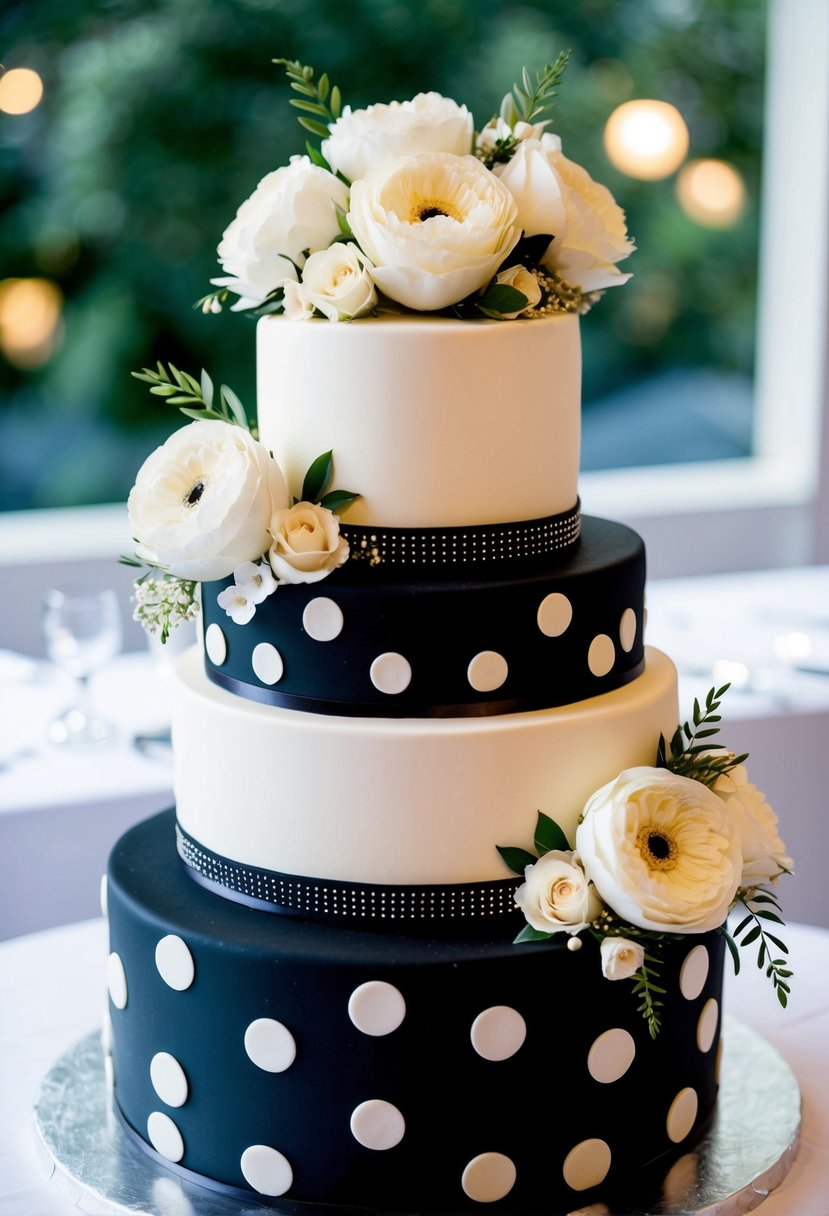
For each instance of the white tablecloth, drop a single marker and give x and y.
(52, 993)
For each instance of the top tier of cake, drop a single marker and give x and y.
(434, 422)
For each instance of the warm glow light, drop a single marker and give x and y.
(646, 139)
(20, 90)
(30, 320)
(711, 192)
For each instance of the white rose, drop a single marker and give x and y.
(764, 853)
(292, 210)
(202, 502)
(661, 850)
(306, 543)
(435, 226)
(556, 895)
(336, 282)
(621, 958)
(362, 140)
(522, 280)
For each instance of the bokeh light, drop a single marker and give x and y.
(30, 320)
(712, 193)
(20, 90)
(646, 139)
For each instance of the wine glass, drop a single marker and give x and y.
(81, 632)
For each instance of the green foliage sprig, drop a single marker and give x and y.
(317, 98)
(195, 398)
(317, 479)
(777, 969)
(529, 100)
(650, 993)
(689, 756)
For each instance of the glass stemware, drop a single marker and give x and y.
(81, 632)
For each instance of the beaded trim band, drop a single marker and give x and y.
(463, 546)
(363, 904)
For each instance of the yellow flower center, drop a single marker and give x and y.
(428, 208)
(658, 851)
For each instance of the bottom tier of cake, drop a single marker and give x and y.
(389, 1073)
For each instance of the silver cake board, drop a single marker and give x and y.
(731, 1170)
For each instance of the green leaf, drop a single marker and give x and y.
(548, 835)
(336, 102)
(733, 950)
(342, 221)
(751, 936)
(335, 500)
(310, 107)
(516, 859)
(206, 389)
(232, 403)
(317, 478)
(197, 414)
(316, 128)
(500, 297)
(529, 934)
(315, 156)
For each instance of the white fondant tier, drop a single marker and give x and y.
(398, 800)
(434, 422)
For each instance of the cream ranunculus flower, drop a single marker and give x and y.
(621, 958)
(662, 851)
(307, 544)
(764, 853)
(556, 895)
(436, 227)
(202, 502)
(362, 140)
(336, 282)
(292, 210)
(522, 280)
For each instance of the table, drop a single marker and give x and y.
(52, 992)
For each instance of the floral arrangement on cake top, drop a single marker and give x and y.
(661, 852)
(406, 206)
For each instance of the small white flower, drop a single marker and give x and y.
(236, 604)
(522, 280)
(500, 129)
(255, 581)
(764, 853)
(556, 895)
(294, 304)
(336, 282)
(621, 958)
(306, 545)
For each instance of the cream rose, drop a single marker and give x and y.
(436, 227)
(662, 851)
(336, 282)
(292, 210)
(556, 895)
(522, 280)
(202, 502)
(362, 140)
(764, 853)
(307, 544)
(621, 958)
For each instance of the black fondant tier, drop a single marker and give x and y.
(383, 1073)
(509, 637)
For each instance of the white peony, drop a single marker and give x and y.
(522, 280)
(556, 895)
(307, 544)
(435, 226)
(291, 211)
(662, 851)
(202, 502)
(362, 140)
(336, 282)
(621, 958)
(764, 853)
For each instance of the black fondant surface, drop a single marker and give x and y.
(533, 1107)
(439, 625)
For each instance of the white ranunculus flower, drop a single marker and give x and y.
(292, 210)
(662, 851)
(621, 958)
(362, 140)
(522, 280)
(556, 895)
(336, 282)
(307, 544)
(435, 226)
(237, 604)
(764, 853)
(202, 502)
(255, 581)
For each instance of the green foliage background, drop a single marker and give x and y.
(159, 118)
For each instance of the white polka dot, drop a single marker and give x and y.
(117, 981)
(498, 1033)
(376, 1007)
(611, 1055)
(693, 973)
(682, 1114)
(600, 657)
(487, 671)
(377, 1124)
(174, 962)
(270, 1045)
(266, 1170)
(168, 1078)
(627, 630)
(488, 1177)
(267, 664)
(103, 894)
(164, 1136)
(322, 619)
(707, 1025)
(586, 1165)
(555, 613)
(391, 673)
(215, 644)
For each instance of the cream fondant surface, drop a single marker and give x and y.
(433, 422)
(398, 800)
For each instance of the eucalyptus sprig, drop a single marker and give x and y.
(195, 398)
(528, 100)
(689, 756)
(777, 969)
(317, 98)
